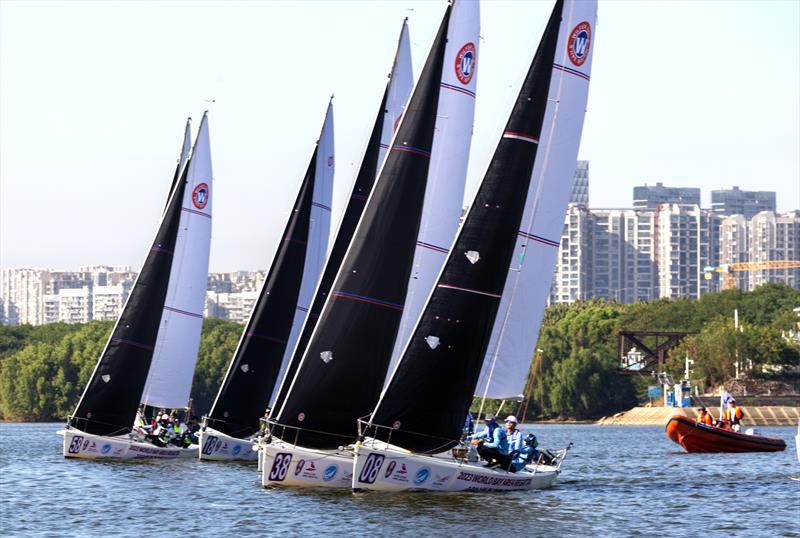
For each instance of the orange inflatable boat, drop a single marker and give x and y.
(696, 437)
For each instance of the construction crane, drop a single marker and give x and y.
(729, 270)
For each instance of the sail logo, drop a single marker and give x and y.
(465, 63)
(330, 473)
(580, 39)
(422, 475)
(200, 196)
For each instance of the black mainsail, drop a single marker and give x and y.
(352, 214)
(109, 402)
(254, 368)
(342, 369)
(441, 363)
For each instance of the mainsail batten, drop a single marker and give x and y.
(255, 365)
(343, 367)
(452, 335)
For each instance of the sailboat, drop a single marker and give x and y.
(278, 314)
(420, 415)
(343, 367)
(165, 291)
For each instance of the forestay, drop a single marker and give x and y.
(395, 96)
(530, 275)
(170, 379)
(439, 368)
(342, 369)
(444, 191)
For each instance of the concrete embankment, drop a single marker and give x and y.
(658, 416)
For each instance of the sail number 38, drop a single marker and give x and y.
(370, 470)
(280, 466)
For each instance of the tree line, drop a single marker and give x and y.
(44, 369)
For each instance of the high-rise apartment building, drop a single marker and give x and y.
(686, 240)
(651, 196)
(580, 184)
(75, 305)
(733, 245)
(774, 237)
(22, 290)
(738, 202)
(107, 301)
(606, 253)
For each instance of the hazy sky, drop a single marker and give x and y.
(94, 95)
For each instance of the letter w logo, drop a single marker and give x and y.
(580, 45)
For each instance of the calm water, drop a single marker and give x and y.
(616, 481)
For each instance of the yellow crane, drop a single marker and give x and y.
(729, 270)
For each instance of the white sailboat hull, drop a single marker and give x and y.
(216, 446)
(78, 444)
(381, 467)
(284, 464)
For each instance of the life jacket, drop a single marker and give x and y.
(705, 419)
(734, 414)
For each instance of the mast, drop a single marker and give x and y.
(186, 148)
(169, 380)
(109, 401)
(395, 96)
(440, 365)
(343, 367)
(254, 367)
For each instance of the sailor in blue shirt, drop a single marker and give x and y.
(492, 444)
(513, 434)
(526, 454)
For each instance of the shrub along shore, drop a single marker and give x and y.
(44, 369)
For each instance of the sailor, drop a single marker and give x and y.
(513, 434)
(469, 424)
(705, 417)
(489, 425)
(526, 454)
(734, 415)
(492, 444)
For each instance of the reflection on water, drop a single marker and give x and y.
(616, 481)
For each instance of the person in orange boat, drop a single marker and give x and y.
(734, 415)
(705, 417)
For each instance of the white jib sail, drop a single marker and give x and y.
(400, 86)
(317, 246)
(513, 341)
(169, 380)
(444, 192)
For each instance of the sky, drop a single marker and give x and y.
(94, 96)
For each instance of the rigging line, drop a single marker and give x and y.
(536, 200)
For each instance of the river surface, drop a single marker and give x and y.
(617, 481)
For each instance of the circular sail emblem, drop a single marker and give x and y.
(465, 63)
(200, 196)
(578, 45)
